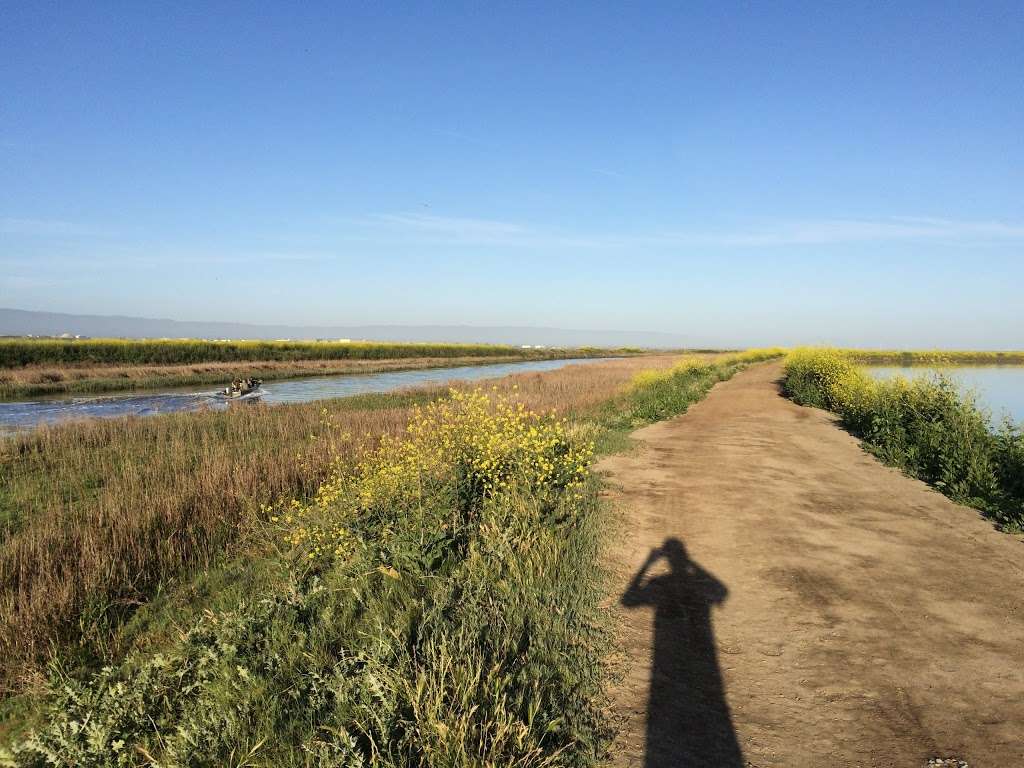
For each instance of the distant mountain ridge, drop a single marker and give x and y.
(20, 322)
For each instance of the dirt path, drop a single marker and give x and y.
(807, 606)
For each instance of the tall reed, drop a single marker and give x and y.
(933, 357)
(16, 352)
(95, 515)
(458, 625)
(35, 380)
(433, 602)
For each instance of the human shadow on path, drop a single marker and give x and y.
(688, 718)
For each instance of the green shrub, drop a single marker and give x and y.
(658, 395)
(1009, 469)
(936, 433)
(494, 662)
(458, 626)
(925, 426)
(933, 357)
(826, 379)
(436, 605)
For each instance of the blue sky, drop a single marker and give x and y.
(738, 173)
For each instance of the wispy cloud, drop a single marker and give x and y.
(453, 227)
(838, 231)
(435, 229)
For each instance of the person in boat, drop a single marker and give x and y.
(241, 387)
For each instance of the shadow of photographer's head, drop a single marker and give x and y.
(674, 550)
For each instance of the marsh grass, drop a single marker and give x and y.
(35, 380)
(457, 625)
(933, 357)
(96, 516)
(662, 393)
(926, 426)
(491, 657)
(17, 352)
(98, 513)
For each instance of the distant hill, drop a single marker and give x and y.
(19, 322)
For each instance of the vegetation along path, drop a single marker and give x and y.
(788, 601)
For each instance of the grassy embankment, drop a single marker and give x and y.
(21, 352)
(934, 357)
(34, 381)
(926, 426)
(32, 367)
(434, 602)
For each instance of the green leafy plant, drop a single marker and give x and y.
(926, 426)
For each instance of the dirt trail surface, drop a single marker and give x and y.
(789, 601)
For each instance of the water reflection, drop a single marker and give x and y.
(24, 415)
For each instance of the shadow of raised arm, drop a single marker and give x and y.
(637, 592)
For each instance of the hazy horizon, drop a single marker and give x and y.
(20, 322)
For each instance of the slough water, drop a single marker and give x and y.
(27, 414)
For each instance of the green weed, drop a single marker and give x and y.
(925, 426)
(457, 624)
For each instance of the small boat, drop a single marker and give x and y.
(240, 388)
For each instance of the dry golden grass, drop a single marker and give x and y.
(99, 513)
